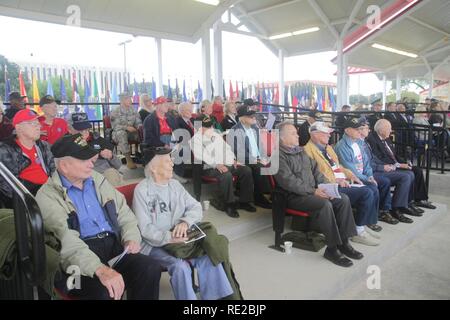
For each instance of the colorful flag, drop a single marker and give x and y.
(95, 94)
(90, 111)
(50, 87)
(62, 88)
(107, 92)
(184, 91)
(276, 95)
(23, 90)
(177, 90)
(7, 89)
(237, 90)
(231, 92)
(199, 93)
(114, 95)
(153, 90)
(135, 94)
(35, 93)
(242, 91)
(212, 91)
(289, 97)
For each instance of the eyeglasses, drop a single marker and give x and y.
(32, 123)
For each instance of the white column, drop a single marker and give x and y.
(398, 91)
(430, 91)
(384, 91)
(281, 76)
(339, 75)
(345, 79)
(218, 62)
(159, 80)
(206, 64)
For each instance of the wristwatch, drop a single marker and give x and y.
(397, 165)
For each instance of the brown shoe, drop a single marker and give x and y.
(130, 163)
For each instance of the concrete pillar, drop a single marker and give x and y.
(340, 80)
(218, 60)
(159, 78)
(206, 64)
(281, 76)
(384, 91)
(430, 91)
(398, 91)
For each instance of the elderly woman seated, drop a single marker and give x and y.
(166, 212)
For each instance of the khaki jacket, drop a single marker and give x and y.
(56, 207)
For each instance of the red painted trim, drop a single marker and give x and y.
(435, 87)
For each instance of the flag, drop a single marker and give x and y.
(74, 87)
(276, 98)
(263, 98)
(23, 90)
(114, 96)
(36, 97)
(184, 91)
(50, 88)
(7, 89)
(169, 92)
(289, 97)
(326, 100)
(199, 93)
(95, 94)
(135, 94)
(212, 91)
(62, 89)
(223, 89)
(90, 111)
(153, 90)
(231, 92)
(242, 91)
(237, 90)
(177, 90)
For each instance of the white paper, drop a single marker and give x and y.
(330, 189)
(114, 261)
(356, 185)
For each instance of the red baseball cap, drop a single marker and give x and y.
(24, 115)
(160, 100)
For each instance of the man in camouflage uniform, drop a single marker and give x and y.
(125, 122)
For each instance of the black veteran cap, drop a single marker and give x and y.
(245, 110)
(73, 146)
(249, 102)
(377, 101)
(150, 153)
(353, 123)
(206, 121)
(315, 114)
(80, 121)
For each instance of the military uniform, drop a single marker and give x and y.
(121, 118)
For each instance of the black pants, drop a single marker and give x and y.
(245, 183)
(141, 274)
(420, 188)
(261, 183)
(334, 218)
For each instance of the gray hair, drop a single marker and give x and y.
(227, 106)
(58, 160)
(183, 105)
(380, 124)
(282, 126)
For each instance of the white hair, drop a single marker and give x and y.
(183, 105)
(282, 126)
(58, 160)
(380, 124)
(152, 164)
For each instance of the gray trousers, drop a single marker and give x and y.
(244, 182)
(403, 180)
(333, 217)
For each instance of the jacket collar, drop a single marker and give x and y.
(291, 151)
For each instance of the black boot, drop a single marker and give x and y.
(347, 249)
(231, 211)
(334, 255)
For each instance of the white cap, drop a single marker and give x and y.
(321, 127)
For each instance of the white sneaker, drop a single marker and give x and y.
(372, 233)
(179, 179)
(365, 238)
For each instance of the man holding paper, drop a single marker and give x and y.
(361, 198)
(92, 224)
(300, 176)
(165, 212)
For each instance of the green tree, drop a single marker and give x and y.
(13, 75)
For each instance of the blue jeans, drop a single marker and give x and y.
(365, 201)
(384, 189)
(213, 281)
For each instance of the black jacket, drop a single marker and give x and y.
(227, 123)
(380, 151)
(151, 130)
(303, 132)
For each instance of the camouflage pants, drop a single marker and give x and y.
(122, 137)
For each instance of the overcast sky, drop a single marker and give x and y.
(244, 58)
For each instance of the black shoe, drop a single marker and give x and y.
(410, 212)
(231, 211)
(401, 217)
(350, 252)
(263, 203)
(247, 207)
(416, 209)
(386, 217)
(217, 204)
(375, 227)
(424, 204)
(335, 256)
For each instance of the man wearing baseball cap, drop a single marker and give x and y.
(361, 198)
(125, 122)
(52, 128)
(17, 103)
(27, 157)
(93, 224)
(303, 130)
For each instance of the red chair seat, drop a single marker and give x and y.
(208, 179)
(128, 192)
(297, 213)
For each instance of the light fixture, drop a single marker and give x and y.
(211, 2)
(393, 50)
(295, 33)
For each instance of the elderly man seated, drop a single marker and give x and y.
(27, 157)
(125, 122)
(107, 163)
(166, 211)
(52, 128)
(361, 197)
(396, 168)
(93, 225)
(300, 176)
(220, 162)
(6, 127)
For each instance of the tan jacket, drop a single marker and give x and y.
(324, 166)
(56, 206)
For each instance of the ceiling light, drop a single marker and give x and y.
(279, 36)
(403, 53)
(211, 2)
(313, 29)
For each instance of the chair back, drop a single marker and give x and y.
(128, 192)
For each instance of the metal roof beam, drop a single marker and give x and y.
(355, 11)
(318, 10)
(268, 8)
(446, 60)
(428, 26)
(436, 51)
